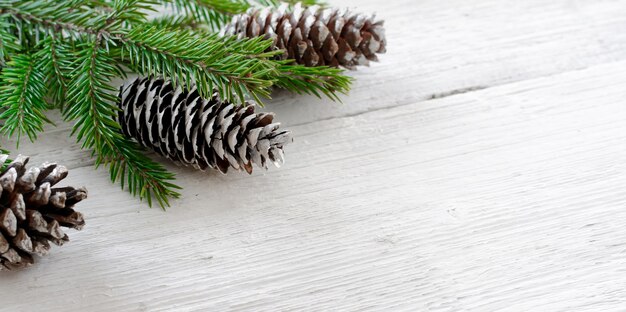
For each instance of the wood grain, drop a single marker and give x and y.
(480, 167)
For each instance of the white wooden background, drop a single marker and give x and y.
(481, 166)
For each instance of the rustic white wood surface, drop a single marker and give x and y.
(481, 166)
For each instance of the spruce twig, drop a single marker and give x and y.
(21, 94)
(215, 13)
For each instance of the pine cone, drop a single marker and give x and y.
(32, 212)
(315, 36)
(202, 133)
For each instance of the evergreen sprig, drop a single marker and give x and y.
(92, 105)
(215, 13)
(56, 68)
(8, 41)
(64, 54)
(233, 67)
(21, 94)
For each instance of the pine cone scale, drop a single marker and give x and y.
(4, 244)
(8, 222)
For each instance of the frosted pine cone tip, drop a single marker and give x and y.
(32, 211)
(204, 133)
(315, 36)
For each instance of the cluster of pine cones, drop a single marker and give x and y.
(180, 125)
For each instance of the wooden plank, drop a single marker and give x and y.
(438, 48)
(510, 198)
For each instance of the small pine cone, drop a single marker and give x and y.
(203, 133)
(314, 36)
(32, 212)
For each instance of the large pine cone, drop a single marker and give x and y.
(203, 133)
(32, 212)
(315, 36)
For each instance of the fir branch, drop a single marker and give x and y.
(233, 67)
(53, 60)
(55, 16)
(216, 13)
(22, 96)
(176, 22)
(209, 61)
(241, 67)
(213, 13)
(94, 111)
(125, 12)
(313, 80)
(8, 41)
